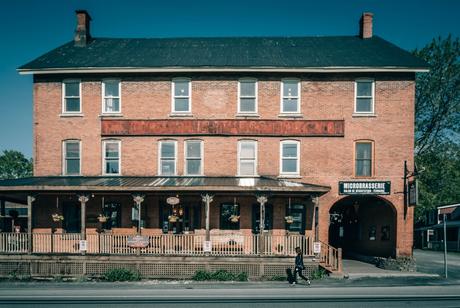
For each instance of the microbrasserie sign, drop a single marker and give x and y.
(364, 188)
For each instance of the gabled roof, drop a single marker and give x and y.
(231, 53)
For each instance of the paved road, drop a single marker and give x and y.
(433, 262)
(142, 295)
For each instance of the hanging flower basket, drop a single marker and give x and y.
(234, 218)
(57, 218)
(289, 219)
(173, 218)
(102, 218)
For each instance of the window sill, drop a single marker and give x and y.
(247, 115)
(181, 115)
(111, 115)
(111, 174)
(364, 115)
(248, 176)
(71, 115)
(290, 115)
(289, 176)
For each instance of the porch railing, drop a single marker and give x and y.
(330, 258)
(163, 244)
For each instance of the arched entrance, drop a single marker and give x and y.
(364, 225)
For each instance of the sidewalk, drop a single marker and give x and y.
(356, 269)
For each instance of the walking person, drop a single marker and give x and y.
(299, 266)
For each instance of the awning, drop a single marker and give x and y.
(157, 184)
(449, 224)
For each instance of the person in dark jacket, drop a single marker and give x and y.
(299, 266)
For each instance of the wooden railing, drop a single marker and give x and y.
(330, 258)
(163, 244)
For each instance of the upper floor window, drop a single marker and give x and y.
(290, 157)
(111, 96)
(71, 157)
(364, 91)
(167, 157)
(247, 95)
(247, 157)
(112, 157)
(71, 90)
(193, 157)
(363, 158)
(290, 96)
(181, 90)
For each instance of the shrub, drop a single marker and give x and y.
(277, 278)
(243, 276)
(222, 275)
(320, 273)
(121, 274)
(201, 276)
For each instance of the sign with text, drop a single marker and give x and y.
(83, 245)
(137, 241)
(317, 247)
(412, 189)
(207, 246)
(364, 188)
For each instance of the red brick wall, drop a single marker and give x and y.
(324, 160)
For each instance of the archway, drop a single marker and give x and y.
(364, 225)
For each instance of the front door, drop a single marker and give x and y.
(180, 219)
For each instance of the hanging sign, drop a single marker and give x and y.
(364, 188)
(317, 247)
(137, 241)
(207, 246)
(412, 195)
(172, 200)
(83, 245)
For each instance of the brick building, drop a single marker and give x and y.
(229, 146)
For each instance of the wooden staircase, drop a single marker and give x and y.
(330, 258)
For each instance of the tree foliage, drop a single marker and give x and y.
(13, 165)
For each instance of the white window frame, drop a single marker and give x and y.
(64, 96)
(104, 96)
(372, 81)
(104, 142)
(297, 172)
(186, 158)
(173, 96)
(160, 144)
(240, 143)
(282, 96)
(256, 90)
(64, 156)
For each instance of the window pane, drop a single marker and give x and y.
(112, 105)
(73, 166)
(167, 149)
(363, 150)
(194, 167)
(111, 166)
(364, 88)
(72, 89)
(194, 149)
(111, 150)
(290, 88)
(248, 105)
(167, 167)
(247, 88)
(181, 104)
(247, 168)
(289, 165)
(111, 88)
(363, 168)
(72, 104)
(290, 105)
(364, 105)
(181, 88)
(72, 150)
(289, 150)
(248, 150)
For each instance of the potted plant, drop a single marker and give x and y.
(102, 218)
(289, 219)
(234, 218)
(57, 218)
(173, 218)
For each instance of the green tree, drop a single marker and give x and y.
(13, 165)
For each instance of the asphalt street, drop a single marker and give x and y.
(433, 262)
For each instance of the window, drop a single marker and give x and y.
(193, 157)
(111, 96)
(71, 151)
(290, 150)
(167, 158)
(247, 92)
(229, 216)
(364, 96)
(181, 89)
(111, 157)
(363, 159)
(290, 96)
(247, 157)
(71, 96)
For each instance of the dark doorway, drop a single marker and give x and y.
(72, 217)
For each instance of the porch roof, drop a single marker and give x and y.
(157, 183)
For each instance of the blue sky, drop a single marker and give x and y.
(33, 27)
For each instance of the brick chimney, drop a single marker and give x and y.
(82, 33)
(365, 25)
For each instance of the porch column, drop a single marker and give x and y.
(315, 216)
(83, 199)
(207, 199)
(138, 199)
(262, 199)
(30, 200)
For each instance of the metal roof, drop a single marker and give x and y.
(228, 52)
(124, 183)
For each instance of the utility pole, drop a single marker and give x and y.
(445, 246)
